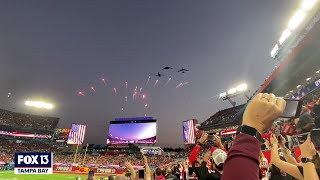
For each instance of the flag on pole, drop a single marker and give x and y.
(76, 135)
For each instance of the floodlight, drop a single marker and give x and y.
(224, 94)
(308, 79)
(287, 94)
(274, 51)
(318, 71)
(232, 91)
(296, 19)
(308, 4)
(28, 103)
(291, 91)
(38, 104)
(285, 34)
(298, 86)
(242, 87)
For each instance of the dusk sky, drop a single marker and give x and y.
(51, 49)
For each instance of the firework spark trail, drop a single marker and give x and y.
(80, 93)
(115, 90)
(148, 80)
(179, 85)
(104, 81)
(156, 83)
(93, 89)
(167, 82)
(126, 84)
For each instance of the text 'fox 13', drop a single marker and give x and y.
(33, 163)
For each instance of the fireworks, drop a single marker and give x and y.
(156, 83)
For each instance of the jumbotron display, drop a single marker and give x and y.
(132, 132)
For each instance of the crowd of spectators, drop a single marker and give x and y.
(20, 120)
(222, 117)
(8, 148)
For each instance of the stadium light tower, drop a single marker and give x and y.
(39, 104)
(233, 92)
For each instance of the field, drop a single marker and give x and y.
(9, 175)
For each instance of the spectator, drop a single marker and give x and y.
(295, 170)
(306, 122)
(316, 110)
(159, 174)
(169, 175)
(217, 155)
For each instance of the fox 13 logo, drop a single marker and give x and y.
(33, 163)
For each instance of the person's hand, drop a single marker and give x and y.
(307, 149)
(206, 157)
(218, 140)
(273, 140)
(145, 160)
(129, 166)
(283, 142)
(262, 111)
(203, 138)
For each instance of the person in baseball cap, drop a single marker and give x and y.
(218, 158)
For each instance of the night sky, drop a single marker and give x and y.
(51, 49)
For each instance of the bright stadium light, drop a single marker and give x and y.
(39, 104)
(284, 36)
(274, 51)
(318, 71)
(232, 91)
(308, 79)
(224, 94)
(296, 19)
(291, 91)
(308, 4)
(242, 87)
(298, 86)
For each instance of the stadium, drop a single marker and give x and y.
(131, 150)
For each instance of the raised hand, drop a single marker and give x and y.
(262, 111)
(203, 138)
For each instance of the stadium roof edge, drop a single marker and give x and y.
(293, 54)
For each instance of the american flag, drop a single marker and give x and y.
(77, 133)
(189, 132)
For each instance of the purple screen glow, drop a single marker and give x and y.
(140, 133)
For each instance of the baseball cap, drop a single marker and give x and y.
(219, 156)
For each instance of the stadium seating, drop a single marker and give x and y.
(26, 121)
(223, 117)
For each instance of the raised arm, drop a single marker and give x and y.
(258, 116)
(147, 175)
(308, 151)
(132, 171)
(287, 153)
(285, 166)
(195, 151)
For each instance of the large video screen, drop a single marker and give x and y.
(135, 132)
(189, 130)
